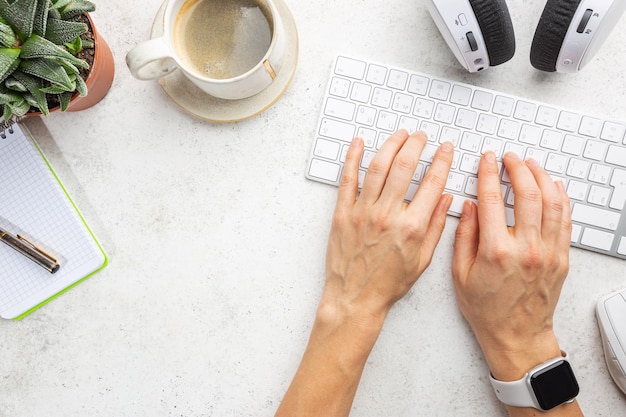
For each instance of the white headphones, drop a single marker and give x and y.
(569, 33)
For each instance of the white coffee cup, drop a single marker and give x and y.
(221, 71)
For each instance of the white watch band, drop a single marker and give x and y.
(520, 393)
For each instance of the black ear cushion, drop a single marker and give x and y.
(553, 26)
(497, 29)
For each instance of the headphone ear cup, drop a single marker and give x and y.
(553, 25)
(497, 29)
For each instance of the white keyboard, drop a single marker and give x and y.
(587, 153)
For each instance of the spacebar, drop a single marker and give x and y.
(594, 216)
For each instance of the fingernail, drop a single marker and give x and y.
(447, 147)
(531, 162)
(356, 142)
(512, 155)
(468, 206)
(490, 157)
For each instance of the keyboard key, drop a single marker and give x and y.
(410, 124)
(573, 145)
(339, 87)
(597, 239)
(366, 115)
(361, 92)
(469, 163)
(595, 150)
(494, 145)
(503, 106)
(530, 134)
(568, 121)
(551, 139)
(402, 103)
(455, 182)
(381, 98)
(508, 129)
(471, 142)
(599, 195)
(546, 116)
(339, 109)
(423, 108)
(376, 74)
(590, 127)
(622, 246)
(461, 95)
(595, 216)
(556, 163)
(449, 134)
(366, 159)
(368, 136)
(445, 113)
(613, 132)
(397, 79)
(418, 85)
(457, 203)
(439, 90)
(431, 130)
(616, 155)
(350, 68)
(487, 124)
(324, 170)
(337, 130)
(536, 154)
(618, 180)
(577, 168)
(466, 118)
(387, 121)
(326, 149)
(599, 173)
(577, 190)
(524, 111)
(482, 100)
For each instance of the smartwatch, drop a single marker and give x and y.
(544, 387)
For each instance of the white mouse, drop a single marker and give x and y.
(611, 313)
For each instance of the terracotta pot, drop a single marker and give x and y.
(100, 77)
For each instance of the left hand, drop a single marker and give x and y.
(379, 245)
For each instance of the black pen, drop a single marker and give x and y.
(32, 252)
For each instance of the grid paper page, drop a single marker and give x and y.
(33, 201)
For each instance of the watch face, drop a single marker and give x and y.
(554, 385)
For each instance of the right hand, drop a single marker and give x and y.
(508, 279)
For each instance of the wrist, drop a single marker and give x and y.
(510, 364)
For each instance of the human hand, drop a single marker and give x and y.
(508, 280)
(379, 245)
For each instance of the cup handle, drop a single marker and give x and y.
(150, 60)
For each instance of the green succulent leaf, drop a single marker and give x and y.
(61, 31)
(57, 4)
(13, 84)
(64, 99)
(38, 47)
(9, 61)
(20, 15)
(34, 86)
(81, 87)
(7, 36)
(49, 70)
(41, 17)
(76, 8)
(74, 47)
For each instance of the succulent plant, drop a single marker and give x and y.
(39, 41)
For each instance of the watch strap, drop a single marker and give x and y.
(520, 393)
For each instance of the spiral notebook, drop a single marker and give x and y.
(33, 202)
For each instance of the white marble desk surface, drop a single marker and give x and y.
(216, 242)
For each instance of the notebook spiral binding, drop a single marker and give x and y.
(7, 125)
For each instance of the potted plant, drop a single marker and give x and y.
(51, 56)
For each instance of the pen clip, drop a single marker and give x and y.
(38, 249)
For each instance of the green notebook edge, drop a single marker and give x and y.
(106, 259)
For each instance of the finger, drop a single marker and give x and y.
(436, 226)
(528, 206)
(491, 216)
(349, 184)
(379, 167)
(552, 212)
(403, 168)
(433, 184)
(566, 220)
(465, 241)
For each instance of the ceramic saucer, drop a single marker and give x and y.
(193, 100)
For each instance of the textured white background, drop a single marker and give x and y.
(216, 242)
